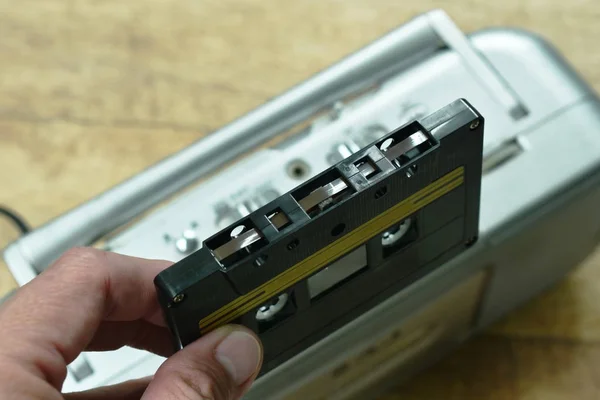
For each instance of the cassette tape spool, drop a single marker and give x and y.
(322, 254)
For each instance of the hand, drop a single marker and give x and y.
(91, 300)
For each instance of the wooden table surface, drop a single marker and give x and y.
(91, 92)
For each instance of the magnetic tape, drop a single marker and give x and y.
(401, 207)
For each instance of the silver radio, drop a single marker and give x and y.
(538, 214)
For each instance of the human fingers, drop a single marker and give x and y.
(130, 390)
(138, 334)
(219, 366)
(49, 321)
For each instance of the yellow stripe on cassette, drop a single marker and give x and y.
(330, 253)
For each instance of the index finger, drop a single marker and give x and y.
(54, 317)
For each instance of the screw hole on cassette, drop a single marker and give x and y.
(177, 299)
(260, 260)
(338, 229)
(381, 192)
(293, 244)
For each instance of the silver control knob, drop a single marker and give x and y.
(188, 242)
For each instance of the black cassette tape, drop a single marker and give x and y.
(342, 242)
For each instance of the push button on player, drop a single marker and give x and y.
(188, 242)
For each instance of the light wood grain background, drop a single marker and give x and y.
(91, 92)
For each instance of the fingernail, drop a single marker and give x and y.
(239, 353)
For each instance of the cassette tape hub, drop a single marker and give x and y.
(539, 199)
(239, 275)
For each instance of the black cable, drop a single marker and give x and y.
(15, 219)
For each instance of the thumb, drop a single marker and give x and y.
(220, 366)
